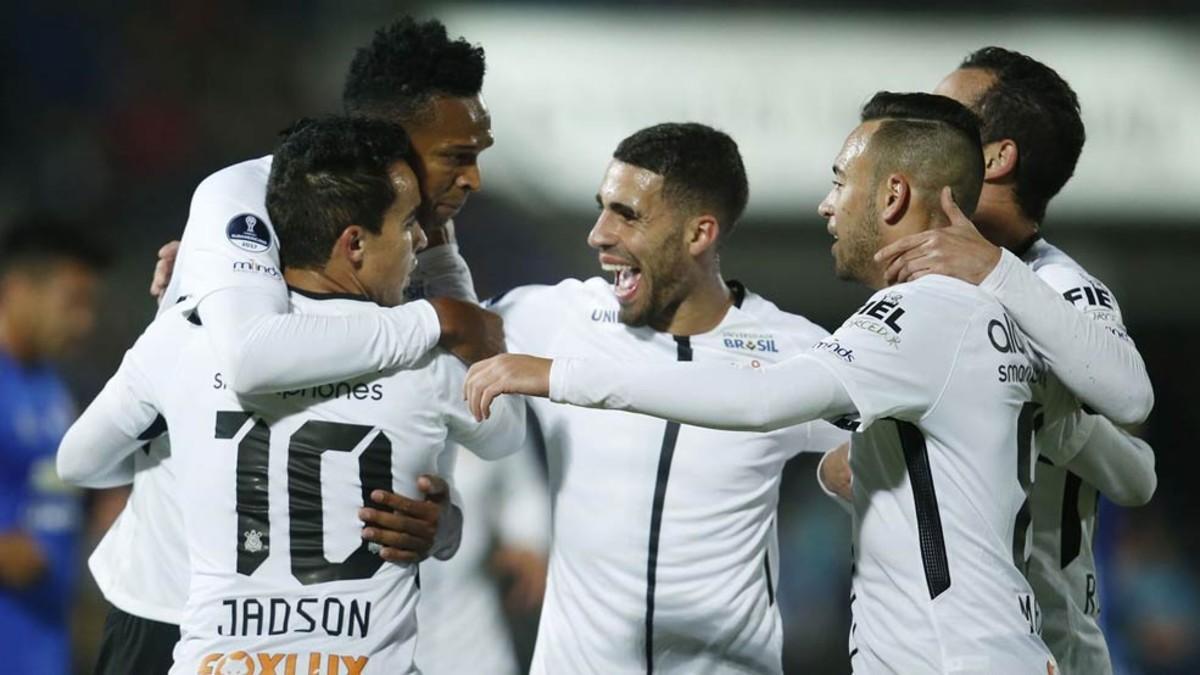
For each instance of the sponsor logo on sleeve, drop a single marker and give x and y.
(254, 267)
(881, 317)
(249, 233)
(832, 346)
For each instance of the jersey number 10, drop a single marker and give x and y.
(306, 525)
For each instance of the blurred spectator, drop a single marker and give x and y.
(48, 285)
(1159, 599)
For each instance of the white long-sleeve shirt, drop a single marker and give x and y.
(945, 393)
(141, 563)
(228, 266)
(1089, 350)
(664, 551)
(1062, 569)
(274, 482)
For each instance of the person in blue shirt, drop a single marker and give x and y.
(49, 278)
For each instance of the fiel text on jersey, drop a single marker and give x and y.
(881, 317)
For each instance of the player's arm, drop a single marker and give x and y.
(500, 435)
(260, 346)
(1096, 359)
(855, 370)
(1116, 462)
(716, 396)
(97, 451)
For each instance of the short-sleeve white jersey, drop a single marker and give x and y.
(664, 553)
(279, 574)
(948, 394)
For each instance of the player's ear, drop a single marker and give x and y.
(351, 244)
(896, 198)
(1000, 160)
(702, 233)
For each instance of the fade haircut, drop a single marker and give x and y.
(934, 140)
(406, 65)
(34, 241)
(1031, 104)
(328, 174)
(701, 167)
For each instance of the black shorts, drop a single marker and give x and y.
(132, 644)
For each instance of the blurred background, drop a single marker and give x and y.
(111, 113)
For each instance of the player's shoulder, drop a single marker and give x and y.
(1056, 268)
(932, 308)
(770, 317)
(246, 179)
(936, 293)
(169, 335)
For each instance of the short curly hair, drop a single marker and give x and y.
(701, 167)
(407, 64)
(1034, 106)
(327, 174)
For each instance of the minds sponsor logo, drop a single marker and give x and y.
(256, 268)
(750, 342)
(249, 233)
(281, 663)
(836, 348)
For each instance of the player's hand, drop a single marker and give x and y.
(835, 472)
(406, 528)
(468, 331)
(526, 571)
(164, 268)
(505, 374)
(958, 251)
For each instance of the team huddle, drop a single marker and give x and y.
(290, 420)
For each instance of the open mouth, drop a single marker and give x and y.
(626, 280)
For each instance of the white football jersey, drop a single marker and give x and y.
(270, 486)
(948, 394)
(664, 554)
(141, 563)
(229, 241)
(1062, 569)
(463, 626)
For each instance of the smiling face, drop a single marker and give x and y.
(389, 257)
(641, 242)
(850, 210)
(447, 139)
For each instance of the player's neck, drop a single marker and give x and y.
(1003, 223)
(704, 308)
(322, 281)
